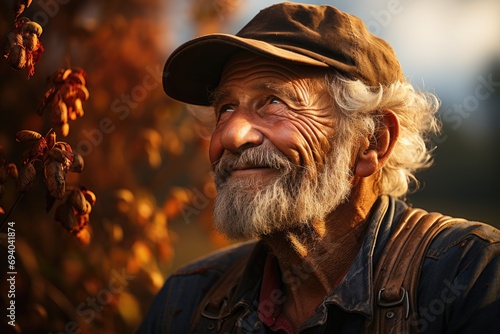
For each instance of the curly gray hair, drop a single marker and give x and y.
(416, 111)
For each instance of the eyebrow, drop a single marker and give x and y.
(272, 88)
(278, 90)
(217, 95)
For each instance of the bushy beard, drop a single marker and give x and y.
(245, 208)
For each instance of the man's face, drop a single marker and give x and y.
(276, 160)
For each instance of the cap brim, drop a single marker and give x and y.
(193, 70)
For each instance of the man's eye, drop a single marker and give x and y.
(226, 108)
(274, 100)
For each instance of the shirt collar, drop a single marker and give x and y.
(354, 293)
(272, 297)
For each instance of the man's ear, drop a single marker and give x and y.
(375, 150)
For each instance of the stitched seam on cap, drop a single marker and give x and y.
(355, 38)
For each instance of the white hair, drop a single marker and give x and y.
(359, 107)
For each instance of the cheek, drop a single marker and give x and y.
(303, 142)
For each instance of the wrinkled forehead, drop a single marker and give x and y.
(243, 65)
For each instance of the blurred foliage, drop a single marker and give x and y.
(145, 159)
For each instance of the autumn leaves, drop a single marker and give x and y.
(23, 47)
(52, 159)
(64, 96)
(45, 157)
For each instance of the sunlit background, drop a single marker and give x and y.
(148, 163)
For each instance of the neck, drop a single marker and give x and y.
(314, 258)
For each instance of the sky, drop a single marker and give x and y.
(442, 45)
(447, 47)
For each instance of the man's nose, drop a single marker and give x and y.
(240, 132)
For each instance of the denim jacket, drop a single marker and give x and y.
(458, 291)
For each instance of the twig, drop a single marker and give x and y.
(7, 215)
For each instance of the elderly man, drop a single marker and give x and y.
(318, 136)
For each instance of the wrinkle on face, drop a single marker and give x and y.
(301, 128)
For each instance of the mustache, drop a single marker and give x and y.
(262, 156)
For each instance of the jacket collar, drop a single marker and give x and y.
(238, 288)
(354, 293)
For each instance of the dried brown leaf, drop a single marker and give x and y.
(32, 28)
(20, 6)
(57, 77)
(65, 216)
(65, 74)
(78, 201)
(82, 92)
(88, 208)
(63, 146)
(17, 57)
(26, 177)
(64, 157)
(12, 38)
(79, 76)
(12, 170)
(18, 24)
(31, 42)
(23, 47)
(27, 135)
(77, 164)
(59, 113)
(89, 196)
(37, 150)
(55, 179)
(32, 58)
(78, 107)
(82, 222)
(65, 129)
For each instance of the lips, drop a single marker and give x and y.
(245, 169)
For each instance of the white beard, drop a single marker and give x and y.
(246, 209)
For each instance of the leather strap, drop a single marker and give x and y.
(396, 280)
(398, 271)
(214, 313)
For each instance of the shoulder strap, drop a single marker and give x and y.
(398, 270)
(215, 312)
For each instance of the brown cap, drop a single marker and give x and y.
(320, 36)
